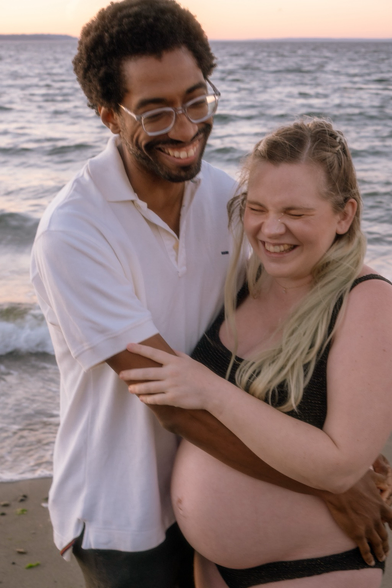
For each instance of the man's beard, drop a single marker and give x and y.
(146, 157)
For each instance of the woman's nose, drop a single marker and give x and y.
(273, 225)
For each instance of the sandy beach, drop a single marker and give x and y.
(31, 532)
(26, 538)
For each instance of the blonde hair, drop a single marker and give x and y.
(305, 335)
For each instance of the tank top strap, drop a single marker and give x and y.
(355, 283)
(369, 277)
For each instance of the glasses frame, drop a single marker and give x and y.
(181, 110)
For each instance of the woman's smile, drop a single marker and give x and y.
(278, 248)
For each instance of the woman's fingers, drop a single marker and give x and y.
(151, 352)
(137, 374)
(153, 387)
(153, 399)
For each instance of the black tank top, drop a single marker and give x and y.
(313, 407)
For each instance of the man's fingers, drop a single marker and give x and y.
(386, 515)
(366, 551)
(383, 533)
(381, 465)
(377, 545)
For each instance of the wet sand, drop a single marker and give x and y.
(31, 532)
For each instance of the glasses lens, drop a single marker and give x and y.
(201, 108)
(157, 121)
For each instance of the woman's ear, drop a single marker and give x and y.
(346, 216)
(109, 119)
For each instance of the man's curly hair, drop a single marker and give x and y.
(129, 29)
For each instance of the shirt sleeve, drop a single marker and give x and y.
(88, 296)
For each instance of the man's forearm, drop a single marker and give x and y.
(206, 432)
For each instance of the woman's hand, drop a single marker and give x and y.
(180, 381)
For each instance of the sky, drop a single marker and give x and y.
(221, 19)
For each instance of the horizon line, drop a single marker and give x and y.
(224, 40)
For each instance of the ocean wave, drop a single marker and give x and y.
(61, 150)
(17, 229)
(23, 330)
(15, 150)
(27, 475)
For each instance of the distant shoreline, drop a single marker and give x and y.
(49, 37)
(36, 37)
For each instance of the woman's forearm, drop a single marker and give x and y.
(295, 448)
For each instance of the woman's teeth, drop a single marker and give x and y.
(278, 248)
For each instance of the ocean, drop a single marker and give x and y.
(47, 133)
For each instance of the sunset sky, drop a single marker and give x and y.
(221, 19)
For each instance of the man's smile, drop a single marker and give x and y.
(181, 152)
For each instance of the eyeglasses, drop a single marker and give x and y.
(161, 120)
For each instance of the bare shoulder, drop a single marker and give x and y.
(370, 303)
(372, 289)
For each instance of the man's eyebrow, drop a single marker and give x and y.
(162, 101)
(197, 87)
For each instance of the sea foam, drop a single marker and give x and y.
(23, 330)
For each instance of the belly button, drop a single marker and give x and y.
(179, 504)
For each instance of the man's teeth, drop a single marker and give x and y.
(278, 248)
(183, 154)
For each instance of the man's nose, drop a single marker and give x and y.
(183, 129)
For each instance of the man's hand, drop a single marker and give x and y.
(360, 513)
(383, 478)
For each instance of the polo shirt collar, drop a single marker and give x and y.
(108, 173)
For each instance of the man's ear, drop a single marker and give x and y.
(347, 216)
(109, 119)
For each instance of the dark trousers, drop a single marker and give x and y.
(169, 565)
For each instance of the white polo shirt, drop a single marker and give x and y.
(108, 271)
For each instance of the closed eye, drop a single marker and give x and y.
(255, 209)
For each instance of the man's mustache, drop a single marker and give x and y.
(176, 143)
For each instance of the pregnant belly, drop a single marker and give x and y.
(238, 522)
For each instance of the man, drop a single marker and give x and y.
(135, 249)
